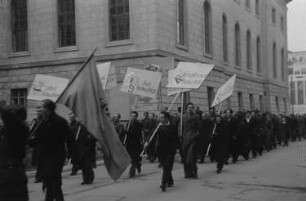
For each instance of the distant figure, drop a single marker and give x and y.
(119, 126)
(13, 138)
(85, 154)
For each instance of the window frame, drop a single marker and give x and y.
(18, 96)
(207, 33)
(225, 38)
(249, 49)
(237, 45)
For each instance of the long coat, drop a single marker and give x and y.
(191, 130)
(13, 180)
(53, 135)
(220, 142)
(85, 144)
(134, 140)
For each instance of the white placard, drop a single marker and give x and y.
(172, 91)
(141, 82)
(225, 91)
(47, 87)
(189, 75)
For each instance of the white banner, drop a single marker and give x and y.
(141, 82)
(189, 75)
(172, 91)
(225, 91)
(47, 87)
(107, 75)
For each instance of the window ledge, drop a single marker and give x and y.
(209, 56)
(249, 70)
(20, 54)
(248, 9)
(182, 47)
(225, 63)
(66, 49)
(259, 74)
(118, 43)
(238, 67)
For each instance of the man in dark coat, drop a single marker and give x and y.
(36, 156)
(150, 128)
(119, 126)
(190, 132)
(219, 143)
(13, 138)
(53, 134)
(133, 143)
(230, 124)
(166, 146)
(85, 149)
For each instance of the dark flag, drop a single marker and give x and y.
(83, 96)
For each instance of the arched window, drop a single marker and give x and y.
(257, 7)
(249, 49)
(283, 64)
(258, 54)
(207, 28)
(180, 22)
(237, 45)
(274, 61)
(224, 33)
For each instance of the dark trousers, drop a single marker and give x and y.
(54, 191)
(38, 176)
(88, 174)
(167, 162)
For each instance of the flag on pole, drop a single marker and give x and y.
(225, 91)
(82, 96)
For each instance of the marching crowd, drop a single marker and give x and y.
(219, 136)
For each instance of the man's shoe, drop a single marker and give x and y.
(73, 173)
(38, 181)
(86, 182)
(163, 187)
(139, 169)
(219, 171)
(170, 185)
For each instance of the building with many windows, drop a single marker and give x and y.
(243, 37)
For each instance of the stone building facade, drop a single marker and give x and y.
(243, 37)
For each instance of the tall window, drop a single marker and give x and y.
(210, 96)
(18, 97)
(240, 101)
(282, 24)
(19, 25)
(283, 64)
(224, 31)
(249, 49)
(119, 20)
(292, 92)
(237, 45)
(251, 97)
(66, 23)
(276, 104)
(181, 22)
(207, 28)
(257, 7)
(273, 16)
(285, 106)
(247, 4)
(261, 105)
(258, 54)
(274, 61)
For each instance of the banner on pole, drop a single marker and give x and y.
(172, 91)
(107, 75)
(225, 91)
(189, 75)
(141, 82)
(47, 87)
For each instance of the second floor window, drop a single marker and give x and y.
(257, 7)
(207, 28)
(249, 50)
(237, 45)
(258, 55)
(19, 16)
(180, 22)
(119, 20)
(66, 23)
(274, 61)
(273, 16)
(224, 30)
